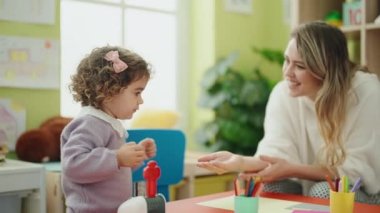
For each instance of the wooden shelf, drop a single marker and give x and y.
(372, 26)
(366, 35)
(351, 29)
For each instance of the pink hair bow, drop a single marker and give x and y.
(117, 63)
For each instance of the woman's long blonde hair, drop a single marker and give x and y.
(323, 48)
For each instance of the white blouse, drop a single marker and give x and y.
(291, 131)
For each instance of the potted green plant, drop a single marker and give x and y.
(238, 101)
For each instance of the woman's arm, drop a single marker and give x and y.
(268, 168)
(311, 172)
(253, 164)
(279, 169)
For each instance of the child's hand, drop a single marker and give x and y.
(149, 146)
(130, 155)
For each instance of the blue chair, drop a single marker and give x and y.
(170, 155)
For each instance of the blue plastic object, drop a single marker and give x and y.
(170, 155)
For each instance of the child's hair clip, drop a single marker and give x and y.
(117, 64)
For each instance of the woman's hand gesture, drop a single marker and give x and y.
(221, 162)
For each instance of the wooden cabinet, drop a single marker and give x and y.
(55, 200)
(363, 39)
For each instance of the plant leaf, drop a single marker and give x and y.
(219, 69)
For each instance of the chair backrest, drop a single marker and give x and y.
(170, 155)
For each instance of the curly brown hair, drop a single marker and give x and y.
(96, 79)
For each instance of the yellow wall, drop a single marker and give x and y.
(39, 104)
(264, 28)
(215, 33)
(202, 52)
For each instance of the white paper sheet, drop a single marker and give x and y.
(28, 11)
(12, 122)
(29, 62)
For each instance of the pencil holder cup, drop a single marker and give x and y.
(342, 202)
(245, 204)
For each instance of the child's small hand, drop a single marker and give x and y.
(130, 155)
(149, 146)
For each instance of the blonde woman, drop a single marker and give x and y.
(322, 119)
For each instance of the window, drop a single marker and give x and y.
(150, 28)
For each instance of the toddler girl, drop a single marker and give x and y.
(96, 161)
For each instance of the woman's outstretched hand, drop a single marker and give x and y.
(221, 162)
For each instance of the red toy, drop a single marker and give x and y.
(151, 174)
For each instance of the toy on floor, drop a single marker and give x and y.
(42, 144)
(153, 202)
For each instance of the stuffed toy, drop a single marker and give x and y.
(42, 144)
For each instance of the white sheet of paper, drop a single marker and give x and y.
(29, 62)
(12, 122)
(36, 11)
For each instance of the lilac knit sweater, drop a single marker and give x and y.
(91, 179)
